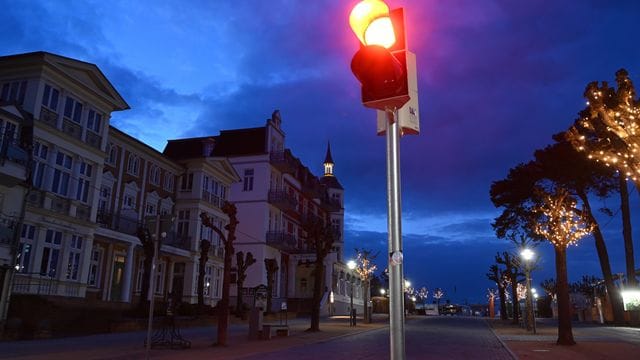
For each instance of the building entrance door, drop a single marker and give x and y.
(116, 280)
(177, 285)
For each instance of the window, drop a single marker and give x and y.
(187, 182)
(248, 180)
(112, 154)
(73, 109)
(154, 175)
(50, 97)
(40, 153)
(208, 271)
(25, 248)
(129, 201)
(168, 181)
(14, 91)
(183, 222)
(51, 253)
(105, 198)
(150, 209)
(8, 131)
(84, 181)
(75, 253)
(133, 165)
(94, 121)
(62, 174)
(94, 267)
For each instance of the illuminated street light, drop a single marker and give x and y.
(352, 312)
(383, 291)
(527, 256)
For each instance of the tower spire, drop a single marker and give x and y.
(328, 161)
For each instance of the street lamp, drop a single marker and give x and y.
(352, 319)
(386, 71)
(383, 292)
(527, 256)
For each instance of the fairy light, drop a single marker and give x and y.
(608, 130)
(560, 223)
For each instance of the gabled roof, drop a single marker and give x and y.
(85, 74)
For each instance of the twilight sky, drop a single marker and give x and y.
(496, 79)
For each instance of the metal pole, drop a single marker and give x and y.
(351, 315)
(396, 298)
(533, 313)
(152, 285)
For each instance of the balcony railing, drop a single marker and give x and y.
(83, 212)
(11, 150)
(118, 222)
(71, 128)
(283, 161)
(48, 117)
(282, 240)
(283, 200)
(330, 204)
(212, 198)
(177, 241)
(7, 229)
(36, 198)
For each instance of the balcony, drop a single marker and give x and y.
(118, 222)
(217, 251)
(13, 161)
(83, 212)
(49, 117)
(7, 229)
(93, 140)
(283, 200)
(177, 241)
(211, 198)
(71, 128)
(282, 241)
(283, 161)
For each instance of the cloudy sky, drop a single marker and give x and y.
(496, 79)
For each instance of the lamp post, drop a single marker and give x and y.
(352, 312)
(527, 256)
(386, 71)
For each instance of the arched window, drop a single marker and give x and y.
(112, 154)
(133, 165)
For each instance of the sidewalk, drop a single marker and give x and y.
(593, 342)
(130, 345)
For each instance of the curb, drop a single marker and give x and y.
(504, 345)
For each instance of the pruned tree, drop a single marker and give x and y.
(562, 224)
(491, 296)
(550, 288)
(230, 210)
(365, 268)
(590, 287)
(205, 246)
(438, 294)
(242, 263)
(497, 276)
(319, 236)
(271, 265)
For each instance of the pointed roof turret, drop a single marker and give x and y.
(328, 159)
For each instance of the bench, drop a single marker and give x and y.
(281, 330)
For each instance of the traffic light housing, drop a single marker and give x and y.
(382, 71)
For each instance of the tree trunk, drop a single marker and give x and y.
(626, 232)
(503, 302)
(223, 305)
(318, 276)
(366, 301)
(239, 307)
(565, 333)
(605, 266)
(514, 293)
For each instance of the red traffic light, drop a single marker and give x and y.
(382, 75)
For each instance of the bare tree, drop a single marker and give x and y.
(230, 210)
(496, 275)
(271, 265)
(320, 237)
(243, 262)
(144, 235)
(365, 268)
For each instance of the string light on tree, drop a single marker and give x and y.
(608, 129)
(561, 223)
